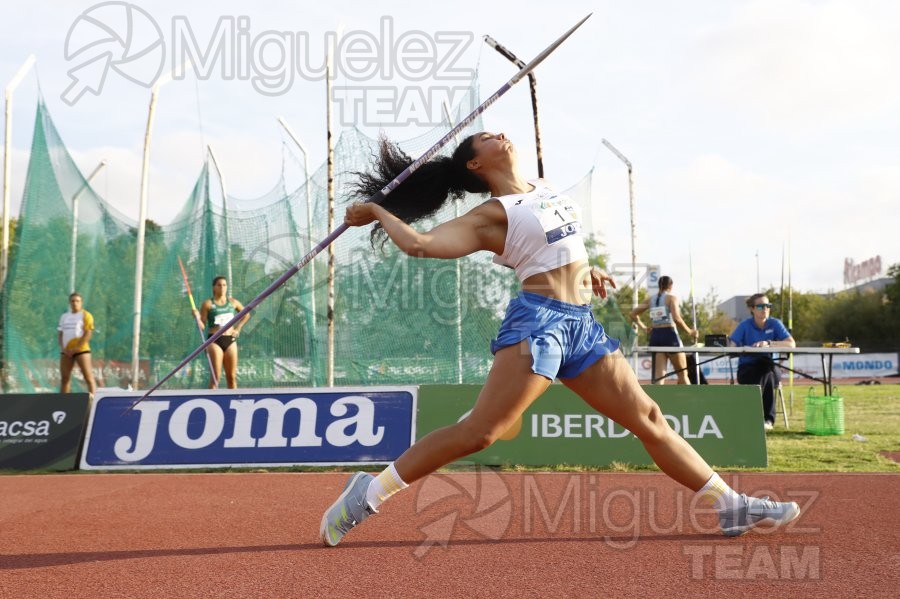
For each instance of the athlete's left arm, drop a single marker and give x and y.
(236, 329)
(88, 329)
(676, 316)
(787, 340)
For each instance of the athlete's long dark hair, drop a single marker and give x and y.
(665, 283)
(425, 191)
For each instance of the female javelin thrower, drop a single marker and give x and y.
(548, 331)
(215, 312)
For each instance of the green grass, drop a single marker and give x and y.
(872, 411)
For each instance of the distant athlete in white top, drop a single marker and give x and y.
(548, 332)
(74, 335)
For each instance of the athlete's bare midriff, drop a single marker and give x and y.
(570, 283)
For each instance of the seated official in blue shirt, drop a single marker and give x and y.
(761, 330)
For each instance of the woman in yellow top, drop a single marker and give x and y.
(75, 329)
(215, 312)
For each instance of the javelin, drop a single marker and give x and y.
(187, 285)
(694, 315)
(377, 198)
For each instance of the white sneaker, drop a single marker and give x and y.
(350, 509)
(751, 512)
(768, 425)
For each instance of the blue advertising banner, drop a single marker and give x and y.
(249, 427)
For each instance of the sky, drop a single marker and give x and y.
(762, 133)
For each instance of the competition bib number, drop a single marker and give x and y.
(658, 313)
(222, 319)
(558, 217)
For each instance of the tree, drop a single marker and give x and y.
(801, 312)
(867, 319)
(710, 321)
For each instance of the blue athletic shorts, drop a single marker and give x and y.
(564, 338)
(665, 337)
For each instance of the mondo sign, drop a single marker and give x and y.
(853, 273)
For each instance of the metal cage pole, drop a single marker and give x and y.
(634, 291)
(532, 84)
(7, 163)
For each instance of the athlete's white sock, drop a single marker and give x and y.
(383, 486)
(718, 494)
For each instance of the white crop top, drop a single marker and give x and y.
(543, 231)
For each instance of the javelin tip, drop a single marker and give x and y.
(540, 57)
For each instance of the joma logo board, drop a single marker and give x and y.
(253, 427)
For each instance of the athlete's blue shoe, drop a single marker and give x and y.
(751, 512)
(350, 509)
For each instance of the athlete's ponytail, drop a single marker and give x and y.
(425, 191)
(665, 283)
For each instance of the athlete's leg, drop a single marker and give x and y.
(230, 361)
(84, 363)
(216, 356)
(65, 373)
(679, 364)
(659, 368)
(610, 387)
(510, 388)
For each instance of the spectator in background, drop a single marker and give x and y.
(761, 330)
(665, 318)
(216, 312)
(75, 329)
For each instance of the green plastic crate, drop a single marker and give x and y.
(824, 415)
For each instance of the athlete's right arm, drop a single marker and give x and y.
(639, 309)
(204, 311)
(459, 237)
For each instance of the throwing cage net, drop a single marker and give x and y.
(397, 320)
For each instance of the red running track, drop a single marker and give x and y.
(477, 534)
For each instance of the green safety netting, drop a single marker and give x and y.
(396, 319)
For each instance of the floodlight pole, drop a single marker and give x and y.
(757, 272)
(142, 226)
(139, 249)
(634, 291)
(532, 84)
(7, 163)
(179, 71)
(74, 260)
